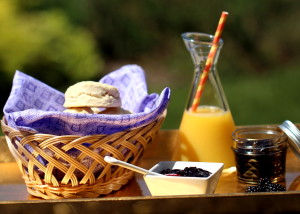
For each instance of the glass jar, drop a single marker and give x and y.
(260, 152)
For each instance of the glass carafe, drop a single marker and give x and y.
(205, 133)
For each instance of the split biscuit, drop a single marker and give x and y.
(85, 110)
(92, 94)
(114, 111)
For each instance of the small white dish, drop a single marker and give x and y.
(179, 185)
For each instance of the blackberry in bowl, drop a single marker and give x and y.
(191, 171)
(185, 178)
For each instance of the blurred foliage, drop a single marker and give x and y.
(126, 29)
(45, 45)
(258, 64)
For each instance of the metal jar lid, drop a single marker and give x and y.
(294, 135)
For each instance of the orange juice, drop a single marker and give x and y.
(205, 135)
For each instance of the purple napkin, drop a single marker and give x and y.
(36, 107)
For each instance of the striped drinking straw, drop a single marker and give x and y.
(209, 61)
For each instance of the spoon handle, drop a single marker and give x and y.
(132, 167)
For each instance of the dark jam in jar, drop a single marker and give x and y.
(260, 152)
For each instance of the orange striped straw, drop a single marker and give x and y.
(209, 61)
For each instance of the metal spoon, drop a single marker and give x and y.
(115, 161)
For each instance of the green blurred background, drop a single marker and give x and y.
(63, 42)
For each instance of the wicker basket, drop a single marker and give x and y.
(70, 166)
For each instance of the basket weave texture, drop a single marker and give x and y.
(70, 166)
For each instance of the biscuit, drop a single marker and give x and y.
(114, 111)
(85, 110)
(96, 110)
(92, 94)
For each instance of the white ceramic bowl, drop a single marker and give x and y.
(179, 185)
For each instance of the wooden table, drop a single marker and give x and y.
(229, 196)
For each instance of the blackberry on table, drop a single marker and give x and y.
(265, 185)
(261, 188)
(274, 188)
(264, 181)
(252, 189)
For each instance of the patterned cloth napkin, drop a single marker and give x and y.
(35, 107)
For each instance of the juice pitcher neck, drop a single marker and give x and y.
(199, 46)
